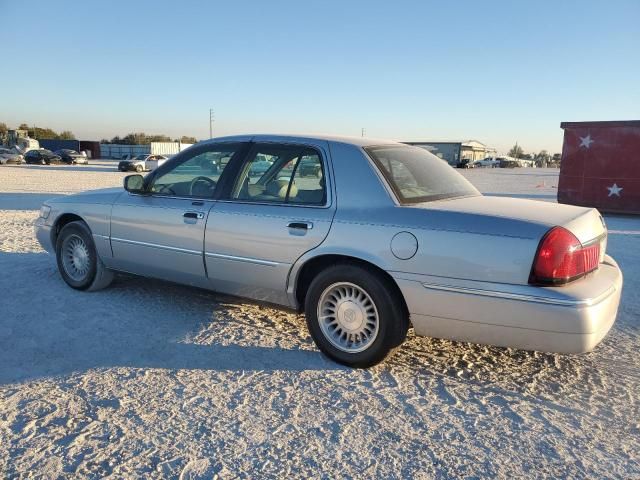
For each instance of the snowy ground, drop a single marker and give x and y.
(149, 379)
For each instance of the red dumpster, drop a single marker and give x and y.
(601, 165)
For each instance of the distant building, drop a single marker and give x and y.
(455, 152)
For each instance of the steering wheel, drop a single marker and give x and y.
(211, 183)
(166, 189)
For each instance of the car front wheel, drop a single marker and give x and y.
(355, 315)
(138, 168)
(78, 262)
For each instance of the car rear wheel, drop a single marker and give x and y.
(138, 168)
(354, 315)
(78, 262)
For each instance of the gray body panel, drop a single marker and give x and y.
(464, 249)
(151, 236)
(239, 262)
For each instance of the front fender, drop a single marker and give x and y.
(97, 216)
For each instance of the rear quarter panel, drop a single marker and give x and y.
(454, 245)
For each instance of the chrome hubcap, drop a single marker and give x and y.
(348, 317)
(75, 257)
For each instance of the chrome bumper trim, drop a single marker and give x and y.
(521, 297)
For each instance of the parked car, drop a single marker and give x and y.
(465, 163)
(259, 168)
(377, 244)
(8, 155)
(72, 157)
(41, 157)
(309, 167)
(214, 162)
(509, 163)
(488, 162)
(141, 163)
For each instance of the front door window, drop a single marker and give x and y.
(197, 175)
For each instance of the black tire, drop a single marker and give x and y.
(139, 168)
(97, 276)
(393, 320)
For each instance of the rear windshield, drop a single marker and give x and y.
(416, 175)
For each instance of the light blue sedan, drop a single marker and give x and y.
(385, 236)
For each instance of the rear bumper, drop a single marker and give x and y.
(570, 319)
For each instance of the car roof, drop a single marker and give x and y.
(357, 141)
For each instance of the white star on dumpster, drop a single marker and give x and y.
(614, 190)
(586, 141)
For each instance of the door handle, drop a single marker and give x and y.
(300, 225)
(194, 215)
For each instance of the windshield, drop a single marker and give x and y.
(416, 175)
(140, 157)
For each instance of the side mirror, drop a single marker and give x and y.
(134, 183)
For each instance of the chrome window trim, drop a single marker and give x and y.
(256, 261)
(157, 245)
(275, 204)
(521, 297)
(156, 195)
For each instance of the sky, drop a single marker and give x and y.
(499, 72)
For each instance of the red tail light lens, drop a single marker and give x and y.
(561, 258)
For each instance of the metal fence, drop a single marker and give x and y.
(110, 150)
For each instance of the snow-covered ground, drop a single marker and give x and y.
(148, 379)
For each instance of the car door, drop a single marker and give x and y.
(268, 220)
(161, 233)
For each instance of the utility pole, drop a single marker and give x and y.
(211, 120)
(362, 132)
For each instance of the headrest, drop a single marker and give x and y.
(278, 188)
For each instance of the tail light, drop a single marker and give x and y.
(561, 258)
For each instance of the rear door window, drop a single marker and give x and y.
(289, 174)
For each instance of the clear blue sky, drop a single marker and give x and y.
(498, 72)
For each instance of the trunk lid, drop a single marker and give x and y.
(585, 223)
